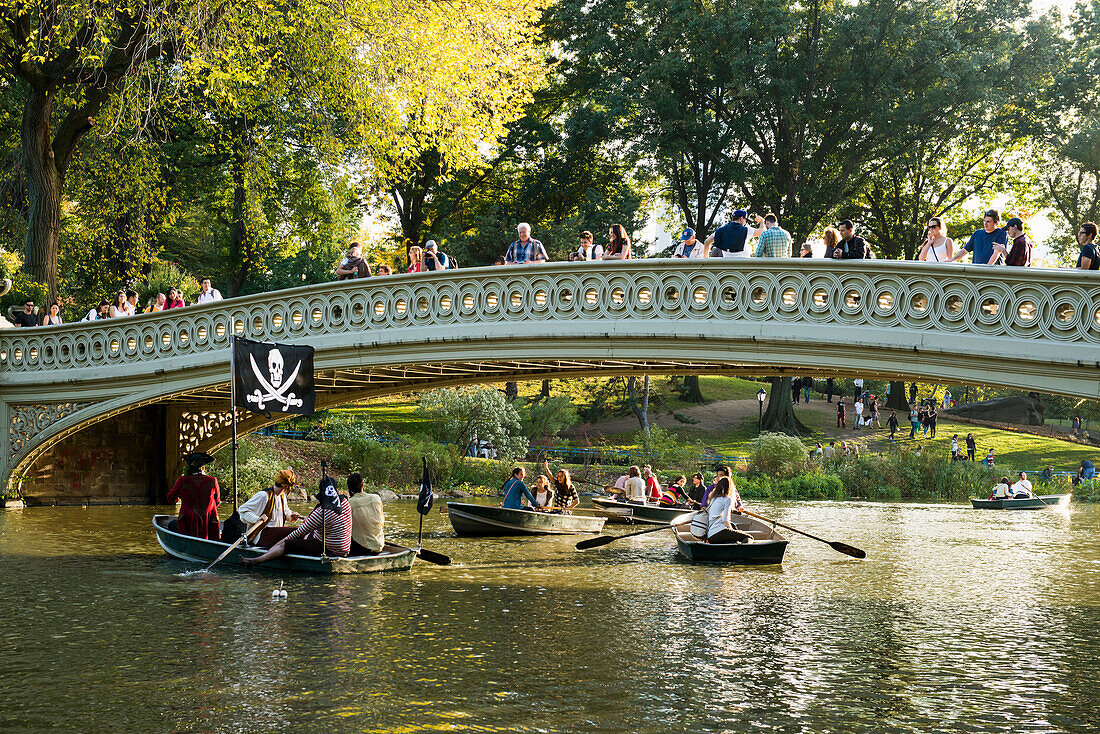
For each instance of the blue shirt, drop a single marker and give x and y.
(514, 489)
(731, 237)
(521, 253)
(981, 244)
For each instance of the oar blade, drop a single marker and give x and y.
(848, 550)
(595, 542)
(432, 557)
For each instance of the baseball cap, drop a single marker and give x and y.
(1015, 222)
(740, 214)
(430, 244)
(687, 234)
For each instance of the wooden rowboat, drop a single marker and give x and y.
(468, 519)
(1030, 503)
(647, 513)
(200, 550)
(766, 546)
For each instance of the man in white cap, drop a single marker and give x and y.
(433, 258)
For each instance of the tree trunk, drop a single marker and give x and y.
(640, 408)
(511, 391)
(780, 417)
(545, 389)
(239, 246)
(692, 393)
(898, 398)
(44, 183)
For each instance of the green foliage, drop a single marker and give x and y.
(164, 276)
(778, 455)
(807, 486)
(903, 474)
(546, 417)
(664, 449)
(466, 415)
(22, 288)
(257, 466)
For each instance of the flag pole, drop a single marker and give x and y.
(233, 404)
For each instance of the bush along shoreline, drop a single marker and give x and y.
(780, 467)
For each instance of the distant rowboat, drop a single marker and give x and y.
(469, 519)
(1030, 503)
(200, 550)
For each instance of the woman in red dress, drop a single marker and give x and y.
(198, 495)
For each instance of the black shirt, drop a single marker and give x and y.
(731, 237)
(1089, 251)
(854, 249)
(22, 318)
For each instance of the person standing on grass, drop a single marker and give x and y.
(955, 447)
(932, 416)
(892, 423)
(859, 415)
(971, 447)
(840, 414)
(914, 420)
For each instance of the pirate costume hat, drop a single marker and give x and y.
(196, 460)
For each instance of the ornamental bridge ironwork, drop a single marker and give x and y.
(1036, 329)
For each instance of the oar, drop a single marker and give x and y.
(235, 544)
(834, 544)
(605, 539)
(432, 557)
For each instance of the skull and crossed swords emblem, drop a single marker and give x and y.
(277, 389)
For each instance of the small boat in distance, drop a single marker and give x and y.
(470, 519)
(1037, 502)
(766, 546)
(200, 550)
(648, 513)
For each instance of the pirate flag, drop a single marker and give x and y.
(273, 378)
(424, 501)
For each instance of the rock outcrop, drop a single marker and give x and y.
(1027, 411)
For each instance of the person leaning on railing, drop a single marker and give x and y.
(525, 250)
(1086, 237)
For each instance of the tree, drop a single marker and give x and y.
(780, 417)
(476, 414)
(546, 417)
(639, 404)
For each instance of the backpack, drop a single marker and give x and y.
(700, 524)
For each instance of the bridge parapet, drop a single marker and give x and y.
(1033, 306)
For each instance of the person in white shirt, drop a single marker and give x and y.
(818, 452)
(99, 312)
(367, 519)
(587, 250)
(1022, 488)
(719, 511)
(269, 508)
(208, 294)
(859, 415)
(1001, 490)
(830, 450)
(689, 247)
(635, 485)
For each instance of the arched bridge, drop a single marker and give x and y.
(114, 404)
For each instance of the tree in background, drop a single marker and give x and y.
(463, 416)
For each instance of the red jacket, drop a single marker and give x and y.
(199, 496)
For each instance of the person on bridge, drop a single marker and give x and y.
(587, 251)
(99, 312)
(53, 316)
(353, 265)
(618, 244)
(433, 258)
(689, 247)
(566, 496)
(118, 308)
(416, 260)
(525, 251)
(208, 293)
(1088, 258)
(326, 531)
(851, 246)
(731, 239)
(198, 494)
(175, 299)
(937, 246)
(981, 243)
(269, 507)
(774, 240)
(515, 490)
(1017, 253)
(367, 519)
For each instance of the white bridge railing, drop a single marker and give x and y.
(1025, 307)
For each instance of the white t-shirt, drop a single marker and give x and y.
(859, 408)
(93, 315)
(596, 252)
(635, 488)
(718, 514)
(250, 511)
(213, 295)
(858, 382)
(1002, 491)
(1023, 486)
(829, 451)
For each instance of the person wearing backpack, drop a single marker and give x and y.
(353, 265)
(434, 259)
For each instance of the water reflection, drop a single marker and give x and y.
(959, 620)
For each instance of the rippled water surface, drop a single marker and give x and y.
(959, 620)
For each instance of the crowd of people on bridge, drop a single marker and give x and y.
(125, 304)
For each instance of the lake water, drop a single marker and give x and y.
(958, 621)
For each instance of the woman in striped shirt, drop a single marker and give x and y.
(331, 518)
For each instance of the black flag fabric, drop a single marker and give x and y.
(424, 502)
(273, 378)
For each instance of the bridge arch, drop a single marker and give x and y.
(885, 319)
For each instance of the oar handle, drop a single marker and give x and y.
(237, 542)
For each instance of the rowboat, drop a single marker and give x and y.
(1030, 503)
(766, 546)
(470, 519)
(200, 550)
(647, 513)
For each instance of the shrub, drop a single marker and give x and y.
(463, 416)
(22, 288)
(663, 449)
(164, 276)
(778, 455)
(257, 466)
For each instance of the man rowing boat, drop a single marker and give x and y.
(326, 531)
(269, 508)
(515, 490)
